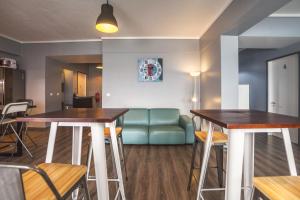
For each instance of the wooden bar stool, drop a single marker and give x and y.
(277, 188)
(49, 181)
(218, 141)
(107, 136)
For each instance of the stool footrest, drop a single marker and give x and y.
(93, 178)
(117, 194)
(216, 189)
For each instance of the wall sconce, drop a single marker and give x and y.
(99, 67)
(195, 76)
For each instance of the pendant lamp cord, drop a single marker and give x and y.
(106, 1)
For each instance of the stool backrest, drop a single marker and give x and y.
(11, 182)
(203, 124)
(29, 101)
(14, 108)
(11, 186)
(199, 127)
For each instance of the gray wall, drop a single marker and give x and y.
(239, 16)
(34, 62)
(253, 71)
(13, 56)
(53, 85)
(10, 46)
(120, 73)
(95, 83)
(10, 49)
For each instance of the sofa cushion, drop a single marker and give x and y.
(164, 116)
(137, 116)
(135, 134)
(166, 134)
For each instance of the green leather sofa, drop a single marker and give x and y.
(157, 126)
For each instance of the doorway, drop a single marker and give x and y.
(283, 88)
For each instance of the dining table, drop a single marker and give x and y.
(241, 126)
(97, 119)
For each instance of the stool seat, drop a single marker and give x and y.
(279, 187)
(218, 137)
(63, 176)
(107, 132)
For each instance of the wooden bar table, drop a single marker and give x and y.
(241, 126)
(96, 119)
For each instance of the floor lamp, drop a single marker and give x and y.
(195, 100)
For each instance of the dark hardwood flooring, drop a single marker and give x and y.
(159, 172)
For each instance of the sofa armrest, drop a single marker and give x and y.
(186, 123)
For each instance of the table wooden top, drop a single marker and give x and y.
(77, 115)
(247, 119)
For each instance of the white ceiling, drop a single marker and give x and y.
(280, 30)
(52, 20)
(276, 27)
(260, 42)
(291, 9)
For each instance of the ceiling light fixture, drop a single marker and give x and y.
(106, 21)
(193, 74)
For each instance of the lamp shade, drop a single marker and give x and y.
(106, 22)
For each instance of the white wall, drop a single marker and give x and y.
(230, 72)
(238, 17)
(120, 73)
(210, 78)
(219, 73)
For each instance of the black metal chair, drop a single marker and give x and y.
(8, 119)
(29, 110)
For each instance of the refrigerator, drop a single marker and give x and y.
(12, 85)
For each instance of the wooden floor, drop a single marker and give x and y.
(160, 172)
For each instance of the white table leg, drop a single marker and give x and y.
(76, 151)
(114, 172)
(100, 160)
(234, 167)
(76, 145)
(114, 144)
(289, 151)
(207, 147)
(51, 142)
(248, 165)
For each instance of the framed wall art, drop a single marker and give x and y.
(150, 69)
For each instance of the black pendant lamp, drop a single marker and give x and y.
(106, 22)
